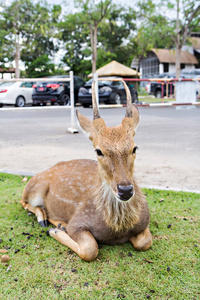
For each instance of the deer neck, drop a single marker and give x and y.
(119, 216)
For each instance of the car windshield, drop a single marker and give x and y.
(6, 84)
(103, 82)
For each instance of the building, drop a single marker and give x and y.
(159, 61)
(7, 73)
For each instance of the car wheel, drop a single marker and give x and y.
(1, 105)
(20, 101)
(64, 99)
(135, 98)
(158, 94)
(86, 105)
(117, 99)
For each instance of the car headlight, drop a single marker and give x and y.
(105, 89)
(83, 90)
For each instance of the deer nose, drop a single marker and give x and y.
(125, 192)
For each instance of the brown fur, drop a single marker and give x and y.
(81, 196)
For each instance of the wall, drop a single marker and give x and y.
(172, 68)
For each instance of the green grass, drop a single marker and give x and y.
(149, 99)
(45, 269)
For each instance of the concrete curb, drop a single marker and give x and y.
(166, 104)
(163, 188)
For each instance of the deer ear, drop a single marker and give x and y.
(84, 122)
(132, 122)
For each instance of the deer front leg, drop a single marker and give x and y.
(85, 245)
(142, 241)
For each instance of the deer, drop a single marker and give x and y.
(94, 201)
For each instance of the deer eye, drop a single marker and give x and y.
(134, 150)
(99, 153)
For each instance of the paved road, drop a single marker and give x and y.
(168, 141)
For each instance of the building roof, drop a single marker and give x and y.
(9, 70)
(115, 69)
(169, 56)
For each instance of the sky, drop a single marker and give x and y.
(70, 3)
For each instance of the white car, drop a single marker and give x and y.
(16, 93)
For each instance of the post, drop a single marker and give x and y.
(185, 93)
(162, 85)
(72, 129)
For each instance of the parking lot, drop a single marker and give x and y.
(168, 141)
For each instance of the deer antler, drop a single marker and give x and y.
(96, 114)
(129, 112)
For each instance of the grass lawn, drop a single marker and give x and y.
(150, 99)
(41, 268)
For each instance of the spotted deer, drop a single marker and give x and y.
(94, 201)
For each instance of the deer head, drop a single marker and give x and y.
(115, 147)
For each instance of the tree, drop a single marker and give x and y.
(92, 15)
(42, 39)
(28, 31)
(153, 29)
(113, 35)
(189, 12)
(40, 67)
(75, 35)
(13, 28)
(159, 27)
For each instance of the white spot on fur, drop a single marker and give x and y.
(37, 201)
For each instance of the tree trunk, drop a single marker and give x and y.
(17, 56)
(178, 61)
(178, 46)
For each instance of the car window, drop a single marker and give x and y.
(90, 81)
(103, 82)
(117, 83)
(26, 84)
(106, 82)
(5, 84)
(78, 81)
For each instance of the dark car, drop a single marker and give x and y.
(110, 92)
(160, 88)
(57, 91)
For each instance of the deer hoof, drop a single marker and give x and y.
(43, 223)
(49, 230)
(63, 229)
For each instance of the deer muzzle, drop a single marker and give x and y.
(125, 192)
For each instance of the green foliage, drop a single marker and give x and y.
(33, 25)
(123, 32)
(157, 26)
(40, 67)
(39, 265)
(75, 35)
(113, 33)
